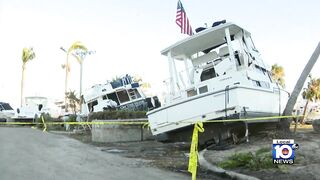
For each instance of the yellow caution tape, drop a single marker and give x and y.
(146, 125)
(193, 157)
(44, 124)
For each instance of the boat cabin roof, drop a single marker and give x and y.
(203, 40)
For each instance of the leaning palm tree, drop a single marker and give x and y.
(27, 55)
(310, 94)
(285, 122)
(76, 46)
(278, 74)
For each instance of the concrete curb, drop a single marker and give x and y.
(232, 175)
(316, 125)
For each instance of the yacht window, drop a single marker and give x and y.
(208, 74)
(269, 75)
(259, 69)
(203, 89)
(256, 83)
(134, 94)
(113, 97)
(123, 96)
(236, 55)
(262, 84)
(252, 45)
(1, 107)
(191, 92)
(91, 105)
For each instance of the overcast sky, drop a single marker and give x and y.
(129, 35)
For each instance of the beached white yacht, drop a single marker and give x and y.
(223, 77)
(122, 93)
(34, 106)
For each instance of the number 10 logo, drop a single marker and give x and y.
(283, 151)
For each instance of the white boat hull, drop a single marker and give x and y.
(238, 101)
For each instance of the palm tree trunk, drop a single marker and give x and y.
(304, 111)
(22, 84)
(284, 124)
(66, 84)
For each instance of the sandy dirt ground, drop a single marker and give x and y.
(174, 156)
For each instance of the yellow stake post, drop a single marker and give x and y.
(193, 157)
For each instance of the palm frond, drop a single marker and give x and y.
(27, 54)
(77, 45)
(277, 73)
(312, 92)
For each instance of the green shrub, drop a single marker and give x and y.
(237, 160)
(261, 159)
(72, 118)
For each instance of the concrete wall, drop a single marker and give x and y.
(120, 133)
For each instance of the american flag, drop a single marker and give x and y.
(182, 20)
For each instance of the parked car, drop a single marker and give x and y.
(6, 111)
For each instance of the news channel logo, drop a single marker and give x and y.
(283, 151)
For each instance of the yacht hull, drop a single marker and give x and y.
(215, 132)
(169, 123)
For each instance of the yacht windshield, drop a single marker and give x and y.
(208, 74)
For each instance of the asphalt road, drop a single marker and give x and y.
(27, 153)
